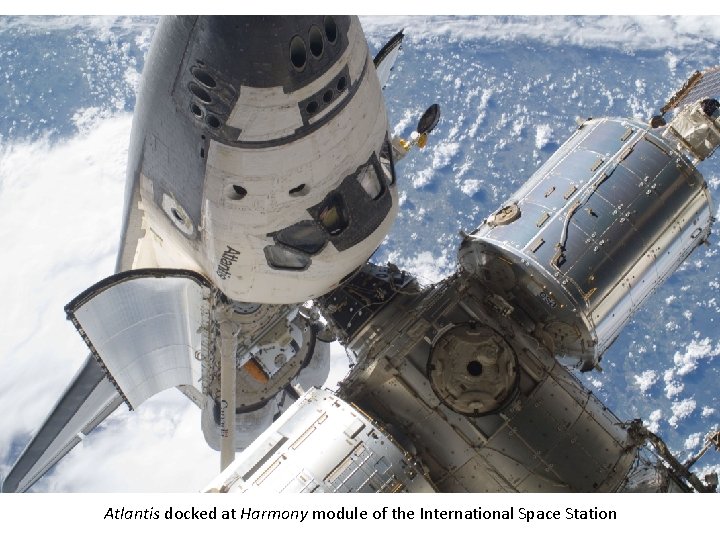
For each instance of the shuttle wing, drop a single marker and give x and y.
(88, 400)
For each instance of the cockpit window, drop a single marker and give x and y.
(368, 178)
(387, 166)
(305, 236)
(284, 259)
(332, 215)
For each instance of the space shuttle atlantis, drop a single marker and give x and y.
(261, 178)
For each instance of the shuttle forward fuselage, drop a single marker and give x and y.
(259, 156)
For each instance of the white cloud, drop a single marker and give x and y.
(426, 266)
(673, 388)
(692, 441)
(402, 198)
(686, 362)
(543, 136)
(672, 60)
(443, 154)
(481, 111)
(158, 447)
(60, 213)
(471, 187)
(409, 117)
(653, 422)
(104, 25)
(681, 409)
(646, 379)
(697, 349)
(422, 178)
(620, 32)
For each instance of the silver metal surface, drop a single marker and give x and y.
(473, 369)
(593, 232)
(145, 330)
(248, 424)
(647, 477)
(229, 331)
(551, 435)
(696, 129)
(276, 356)
(322, 444)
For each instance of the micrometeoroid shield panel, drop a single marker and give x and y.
(144, 327)
(592, 233)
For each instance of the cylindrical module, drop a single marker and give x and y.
(592, 233)
(323, 444)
